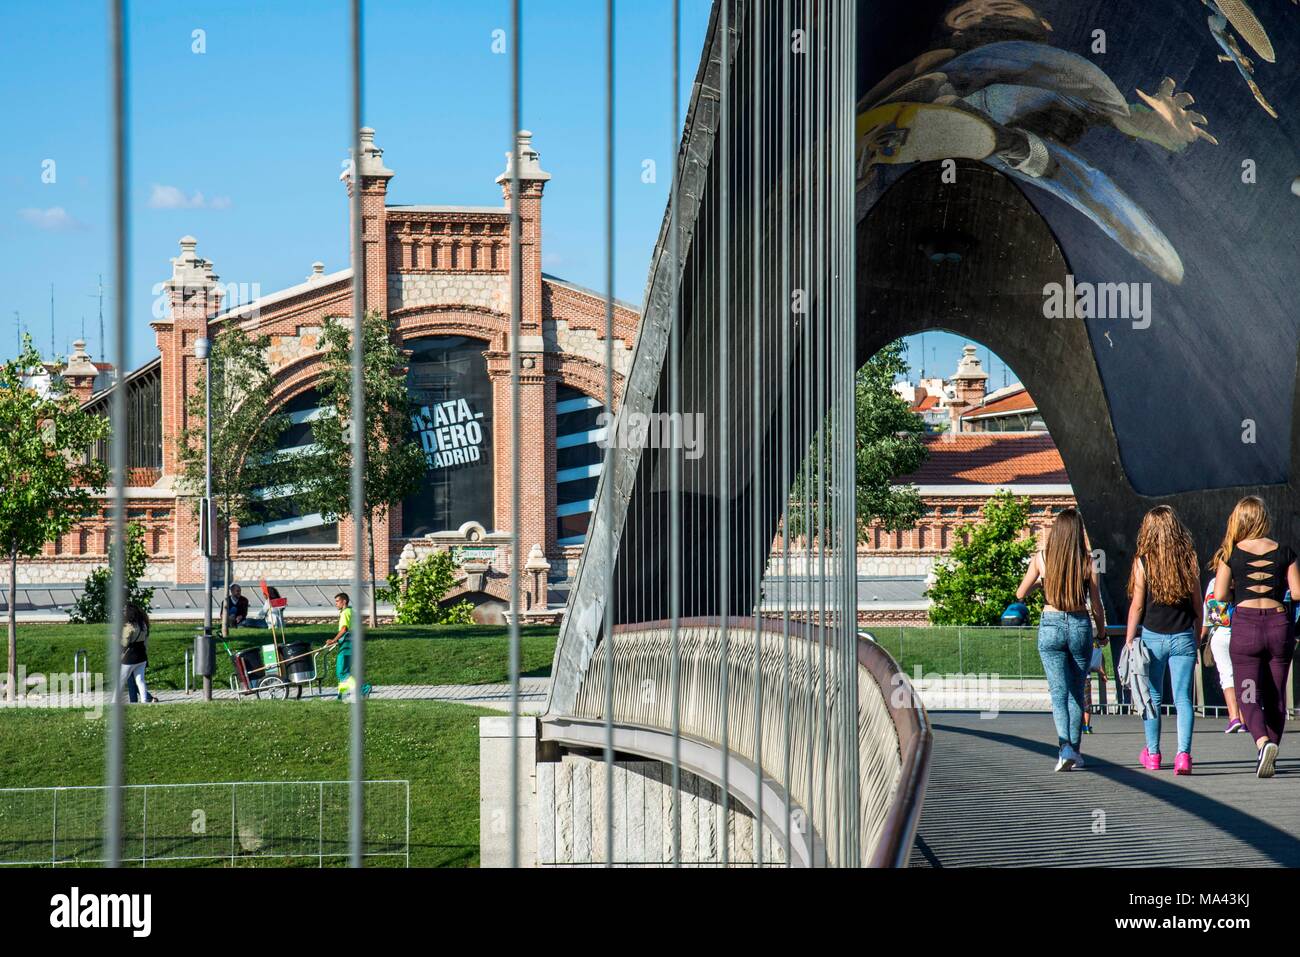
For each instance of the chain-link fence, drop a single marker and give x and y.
(299, 823)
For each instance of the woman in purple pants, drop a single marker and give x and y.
(1255, 570)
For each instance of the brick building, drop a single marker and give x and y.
(442, 275)
(963, 471)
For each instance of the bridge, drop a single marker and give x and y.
(993, 801)
(850, 173)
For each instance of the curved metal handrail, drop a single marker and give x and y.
(915, 741)
(893, 738)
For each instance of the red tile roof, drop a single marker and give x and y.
(926, 403)
(991, 458)
(1020, 401)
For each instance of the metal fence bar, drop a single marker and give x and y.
(115, 744)
(357, 742)
(516, 305)
(675, 454)
(609, 404)
(272, 821)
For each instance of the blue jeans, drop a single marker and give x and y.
(1179, 653)
(1065, 645)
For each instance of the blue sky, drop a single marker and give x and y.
(241, 145)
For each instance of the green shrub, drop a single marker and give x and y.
(417, 593)
(980, 575)
(92, 606)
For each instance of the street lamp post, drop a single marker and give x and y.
(202, 347)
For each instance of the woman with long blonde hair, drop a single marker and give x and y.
(1256, 569)
(1065, 568)
(1164, 589)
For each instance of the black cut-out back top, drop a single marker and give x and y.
(1260, 576)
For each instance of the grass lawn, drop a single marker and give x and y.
(943, 649)
(432, 744)
(395, 654)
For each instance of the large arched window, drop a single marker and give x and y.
(578, 458)
(452, 421)
(279, 520)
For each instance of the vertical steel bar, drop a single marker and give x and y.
(609, 404)
(115, 738)
(760, 546)
(208, 524)
(356, 750)
(516, 305)
(783, 170)
(724, 400)
(847, 245)
(675, 453)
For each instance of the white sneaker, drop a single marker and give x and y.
(1078, 759)
(1066, 761)
(1267, 756)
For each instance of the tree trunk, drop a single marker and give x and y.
(374, 601)
(10, 689)
(225, 580)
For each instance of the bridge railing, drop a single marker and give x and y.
(788, 737)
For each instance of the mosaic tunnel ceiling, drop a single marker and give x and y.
(1158, 139)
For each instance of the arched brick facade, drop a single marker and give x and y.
(435, 271)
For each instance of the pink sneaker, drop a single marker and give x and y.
(1149, 761)
(1182, 763)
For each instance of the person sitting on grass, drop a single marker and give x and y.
(236, 607)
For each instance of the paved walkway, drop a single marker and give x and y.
(994, 800)
(532, 695)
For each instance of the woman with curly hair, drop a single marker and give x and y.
(1164, 590)
(1256, 570)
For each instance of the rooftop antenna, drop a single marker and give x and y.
(100, 295)
(51, 322)
(923, 357)
(18, 326)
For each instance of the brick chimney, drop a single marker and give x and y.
(968, 385)
(532, 181)
(81, 372)
(374, 176)
(537, 378)
(195, 298)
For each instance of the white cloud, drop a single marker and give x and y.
(172, 197)
(55, 219)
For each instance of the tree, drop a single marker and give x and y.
(394, 465)
(979, 578)
(244, 436)
(47, 475)
(92, 607)
(417, 594)
(888, 445)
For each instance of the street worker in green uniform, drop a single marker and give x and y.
(343, 640)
